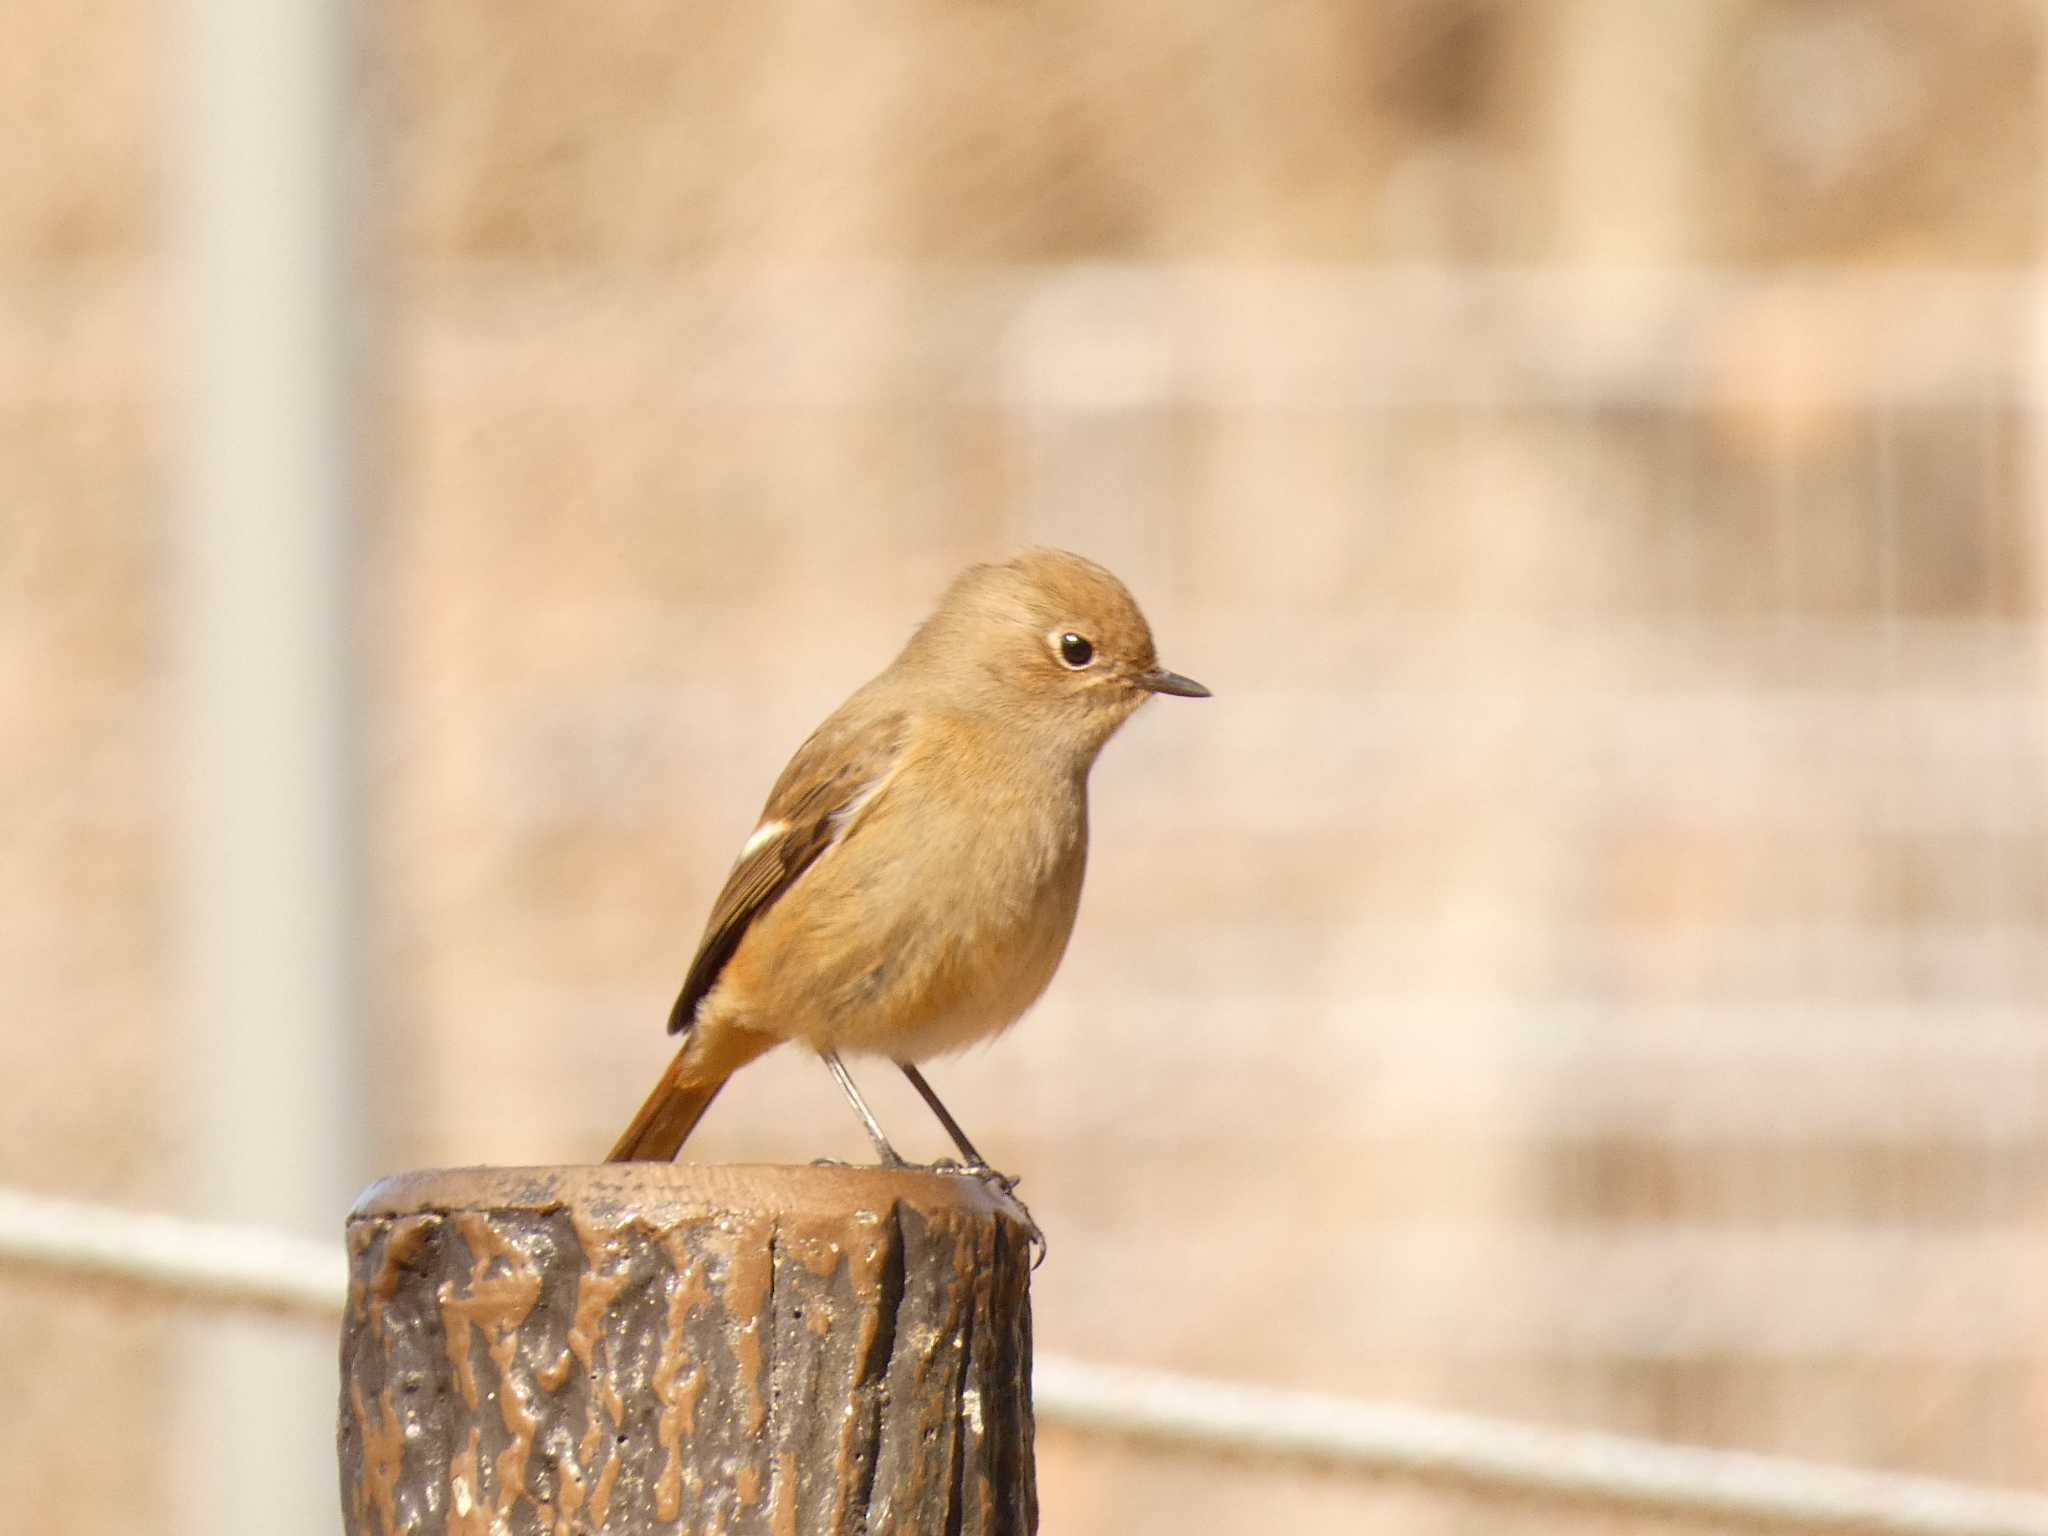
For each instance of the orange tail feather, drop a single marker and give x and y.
(666, 1119)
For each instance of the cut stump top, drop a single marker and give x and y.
(666, 1193)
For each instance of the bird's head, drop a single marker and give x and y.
(1049, 643)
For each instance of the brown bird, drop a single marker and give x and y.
(913, 881)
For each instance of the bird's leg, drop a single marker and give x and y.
(885, 1153)
(976, 1163)
(976, 1167)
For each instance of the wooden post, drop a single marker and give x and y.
(645, 1347)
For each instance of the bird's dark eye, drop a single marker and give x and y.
(1075, 651)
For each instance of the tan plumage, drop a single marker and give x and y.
(914, 878)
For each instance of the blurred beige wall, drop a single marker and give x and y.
(1587, 963)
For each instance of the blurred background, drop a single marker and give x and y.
(1587, 963)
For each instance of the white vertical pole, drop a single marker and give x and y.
(270, 852)
(2034, 381)
(2032, 455)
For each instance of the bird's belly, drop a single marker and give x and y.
(886, 972)
(923, 1004)
(922, 1039)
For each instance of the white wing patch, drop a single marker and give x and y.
(764, 834)
(838, 821)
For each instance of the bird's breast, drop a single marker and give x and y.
(937, 921)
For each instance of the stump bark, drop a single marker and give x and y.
(644, 1347)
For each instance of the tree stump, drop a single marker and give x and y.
(644, 1347)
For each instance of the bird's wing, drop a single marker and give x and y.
(831, 777)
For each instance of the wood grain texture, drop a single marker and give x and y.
(650, 1348)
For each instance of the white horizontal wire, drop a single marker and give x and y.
(191, 1261)
(1498, 1456)
(217, 1265)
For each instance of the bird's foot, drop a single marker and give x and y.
(982, 1172)
(1004, 1187)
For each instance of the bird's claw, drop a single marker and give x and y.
(1004, 1187)
(992, 1177)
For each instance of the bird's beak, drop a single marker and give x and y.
(1159, 680)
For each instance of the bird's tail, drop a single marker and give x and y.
(686, 1090)
(667, 1118)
